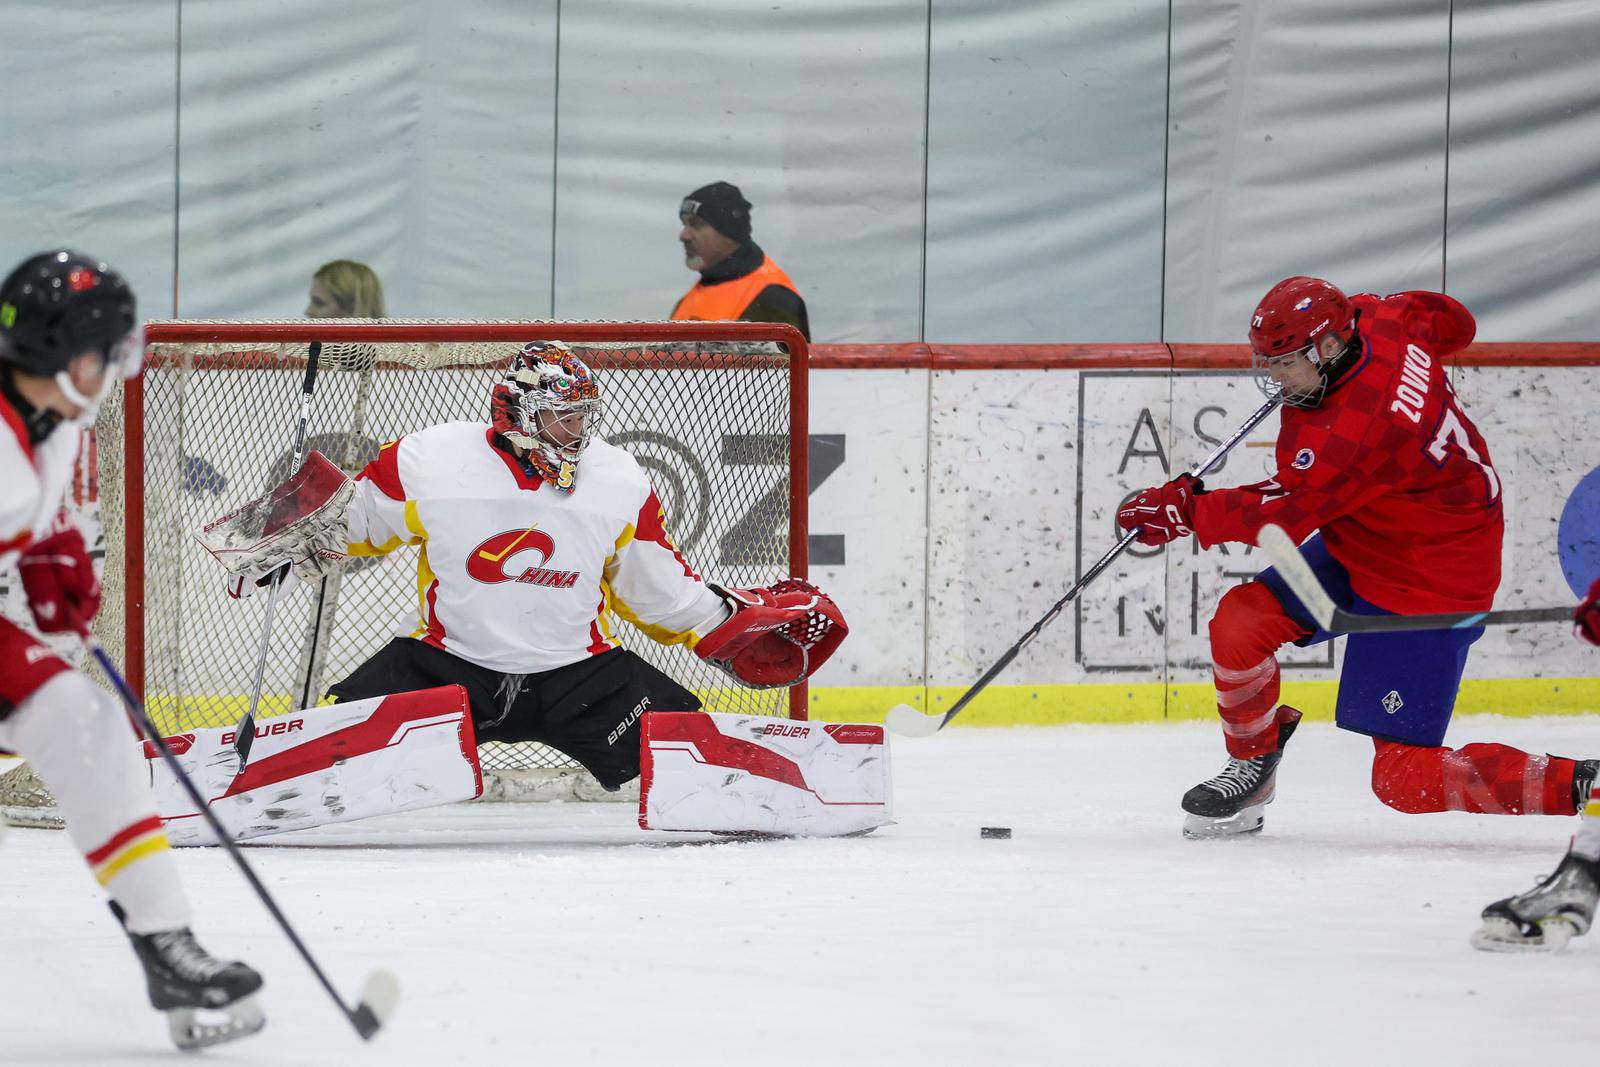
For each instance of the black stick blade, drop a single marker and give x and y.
(378, 999)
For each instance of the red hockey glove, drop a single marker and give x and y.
(1587, 617)
(1163, 513)
(777, 636)
(63, 592)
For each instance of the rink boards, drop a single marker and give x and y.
(976, 484)
(957, 492)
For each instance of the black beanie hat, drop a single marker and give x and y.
(723, 207)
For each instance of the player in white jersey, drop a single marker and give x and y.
(68, 333)
(533, 532)
(1562, 906)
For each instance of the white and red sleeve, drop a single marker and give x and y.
(653, 586)
(382, 517)
(19, 489)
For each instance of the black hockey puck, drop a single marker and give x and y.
(996, 832)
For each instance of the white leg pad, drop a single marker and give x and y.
(756, 774)
(324, 765)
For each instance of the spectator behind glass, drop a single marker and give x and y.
(345, 289)
(738, 281)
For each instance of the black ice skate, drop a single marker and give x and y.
(1234, 802)
(185, 980)
(1547, 916)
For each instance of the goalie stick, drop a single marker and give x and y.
(1286, 557)
(380, 992)
(245, 732)
(325, 607)
(907, 720)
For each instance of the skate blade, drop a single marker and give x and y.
(191, 1030)
(33, 818)
(1205, 828)
(1503, 935)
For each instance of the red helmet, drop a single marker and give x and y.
(1297, 312)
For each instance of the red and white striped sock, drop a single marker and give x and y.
(1246, 632)
(1486, 778)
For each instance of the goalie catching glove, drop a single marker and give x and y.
(301, 524)
(777, 636)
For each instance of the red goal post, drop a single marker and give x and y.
(716, 412)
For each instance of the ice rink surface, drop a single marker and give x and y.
(1096, 935)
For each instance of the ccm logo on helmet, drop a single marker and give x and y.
(488, 563)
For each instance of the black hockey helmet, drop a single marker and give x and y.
(57, 305)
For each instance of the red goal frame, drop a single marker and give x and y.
(336, 330)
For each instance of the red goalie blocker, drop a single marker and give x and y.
(777, 637)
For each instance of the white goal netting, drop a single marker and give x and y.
(708, 409)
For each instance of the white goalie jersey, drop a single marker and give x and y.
(517, 577)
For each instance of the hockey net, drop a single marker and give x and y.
(714, 412)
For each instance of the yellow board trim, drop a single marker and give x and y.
(108, 870)
(1032, 705)
(1103, 702)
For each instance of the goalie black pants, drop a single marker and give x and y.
(589, 710)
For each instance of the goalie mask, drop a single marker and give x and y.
(548, 405)
(1300, 334)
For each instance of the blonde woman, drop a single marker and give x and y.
(345, 289)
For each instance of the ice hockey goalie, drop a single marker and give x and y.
(534, 534)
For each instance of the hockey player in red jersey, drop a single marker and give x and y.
(68, 333)
(535, 532)
(1377, 457)
(1562, 906)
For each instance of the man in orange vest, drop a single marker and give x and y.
(738, 281)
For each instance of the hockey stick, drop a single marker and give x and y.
(906, 720)
(1286, 557)
(244, 734)
(325, 609)
(380, 992)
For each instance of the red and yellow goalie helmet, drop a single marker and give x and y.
(548, 405)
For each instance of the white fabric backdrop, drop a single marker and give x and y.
(948, 170)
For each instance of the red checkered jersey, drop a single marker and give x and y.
(1389, 468)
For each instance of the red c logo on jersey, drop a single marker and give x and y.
(487, 562)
